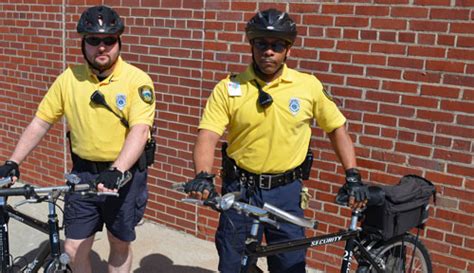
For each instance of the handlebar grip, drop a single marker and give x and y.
(18, 191)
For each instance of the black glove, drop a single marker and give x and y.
(354, 186)
(10, 169)
(202, 181)
(113, 178)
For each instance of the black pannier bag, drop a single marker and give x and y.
(405, 207)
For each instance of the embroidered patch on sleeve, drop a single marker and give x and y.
(146, 94)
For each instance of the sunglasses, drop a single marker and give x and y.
(277, 47)
(95, 41)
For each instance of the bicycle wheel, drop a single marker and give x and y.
(403, 254)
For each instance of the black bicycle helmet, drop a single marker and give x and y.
(100, 20)
(271, 23)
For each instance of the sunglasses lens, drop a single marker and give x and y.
(260, 45)
(278, 47)
(109, 41)
(95, 41)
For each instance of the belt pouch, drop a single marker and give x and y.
(150, 148)
(229, 169)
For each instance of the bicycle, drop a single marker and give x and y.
(402, 253)
(49, 255)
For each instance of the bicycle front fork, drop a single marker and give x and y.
(250, 246)
(349, 249)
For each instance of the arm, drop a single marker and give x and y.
(131, 151)
(343, 147)
(203, 154)
(30, 139)
(133, 147)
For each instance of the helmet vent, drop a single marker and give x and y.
(100, 20)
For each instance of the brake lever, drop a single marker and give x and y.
(269, 221)
(116, 194)
(98, 193)
(192, 201)
(127, 178)
(28, 201)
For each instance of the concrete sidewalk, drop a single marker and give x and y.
(157, 248)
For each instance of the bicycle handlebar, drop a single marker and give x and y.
(263, 214)
(303, 222)
(29, 191)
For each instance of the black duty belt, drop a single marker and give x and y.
(269, 181)
(84, 165)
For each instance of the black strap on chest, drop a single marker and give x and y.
(98, 98)
(264, 99)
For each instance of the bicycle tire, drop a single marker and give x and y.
(391, 253)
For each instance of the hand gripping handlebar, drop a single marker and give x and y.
(29, 191)
(264, 214)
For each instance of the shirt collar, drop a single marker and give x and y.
(249, 75)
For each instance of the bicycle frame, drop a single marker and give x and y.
(253, 250)
(356, 242)
(51, 227)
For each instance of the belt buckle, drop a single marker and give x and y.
(261, 185)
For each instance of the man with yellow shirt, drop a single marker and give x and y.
(109, 107)
(268, 111)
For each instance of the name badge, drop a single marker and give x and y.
(234, 89)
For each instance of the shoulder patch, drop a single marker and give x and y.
(146, 94)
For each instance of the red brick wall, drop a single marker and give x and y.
(401, 70)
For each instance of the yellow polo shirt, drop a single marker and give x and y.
(275, 139)
(96, 134)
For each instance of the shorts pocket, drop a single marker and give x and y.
(140, 205)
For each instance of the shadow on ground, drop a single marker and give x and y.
(157, 263)
(154, 263)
